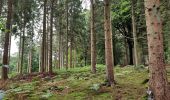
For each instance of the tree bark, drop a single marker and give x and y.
(62, 51)
(59, 61)
(19, 54)
(31, 52)
(130, 47)
(1, 6)
(126, 61)
(6, 44)
(9, 50)
(51, 37)
(158, 78)
(43, 55)
(30, 62)
(47, 43)
(134, 34)
(93, 39)
(40, 63)
(67, 34)
(71, 56)
(108, 43)
(22, 48)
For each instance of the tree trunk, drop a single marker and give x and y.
(61, 52)
(30, 62)
(22, 49)
(59, 61)
(126, 62)
(6, 44)
(40, 63)
(67, 35)
(51, 37)
(1, 6)
(43, 55)
(47, 44)
(30, 55)
(93, 39)
(130, 47)
(108, 43)
(9, 50)
(71, 56)
(85, 55)
(134, 34)
(19, 53)
(75, 58)
(158, 78)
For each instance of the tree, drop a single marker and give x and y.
(108, 43)
(6, 45)
(134, 33)
(121, 21)
(158, 79)
(1, 5)
(51, 37)
(67, 30)
(43, 50)
(93, 38)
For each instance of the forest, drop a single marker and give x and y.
(84, 50)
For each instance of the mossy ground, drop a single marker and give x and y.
(81, 84)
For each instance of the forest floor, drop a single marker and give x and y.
(80, 84)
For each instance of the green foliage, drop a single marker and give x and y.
(95, 87)
(2, 25)
(121, 11)
(46, 95)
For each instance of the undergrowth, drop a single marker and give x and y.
(81, 84)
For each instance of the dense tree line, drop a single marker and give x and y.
(61, 34)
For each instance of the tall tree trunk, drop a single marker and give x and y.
(75, 58)
(85, 56)
(93, 39)
(9, 49)
(67, 34)
(22, 48)
(1, 6)
(158, 79)
(71, 53)
(59, 52)
(130, 47)
(40, 57)
(134, 33)
(30, 61)
(6, 44)
(43, 55)
(108, 43)
(126, 52)
(30, 53)
(62, 51)
(19, 54)
(47, 45)
(51, 37)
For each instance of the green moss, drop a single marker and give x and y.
(77, 83)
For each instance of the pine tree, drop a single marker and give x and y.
(43, 51)
(108, 43)
(134, 33)
(6, 45)
(158, 79)
(93, 38)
